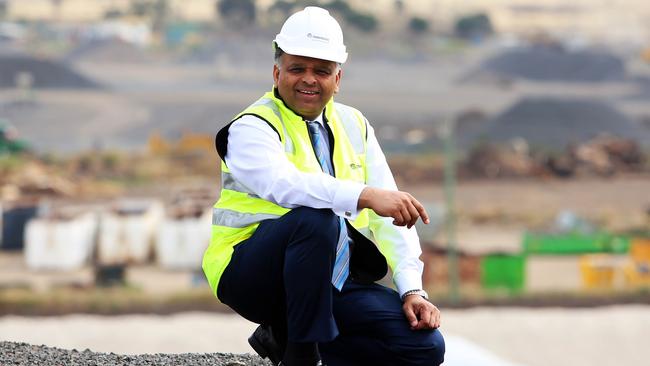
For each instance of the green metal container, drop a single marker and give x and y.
(574, 243)
(503, 271)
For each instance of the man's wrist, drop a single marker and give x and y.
(346, 198)
(365, 197)
(419, 292)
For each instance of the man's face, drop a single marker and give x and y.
(306, 84)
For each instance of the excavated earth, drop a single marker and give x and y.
(27, 355)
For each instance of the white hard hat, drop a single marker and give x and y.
(312, 32)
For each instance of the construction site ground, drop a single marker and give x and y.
(492, 215)
(606, 336)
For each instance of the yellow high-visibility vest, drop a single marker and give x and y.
(239, 211)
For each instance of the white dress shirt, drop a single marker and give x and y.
(256, 158)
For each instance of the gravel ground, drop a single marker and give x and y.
(484, 336)
(25, 354)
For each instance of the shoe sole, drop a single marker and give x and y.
(258, 347)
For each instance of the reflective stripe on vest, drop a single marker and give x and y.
(231, 218)
(228, 181)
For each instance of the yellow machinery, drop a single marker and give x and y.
(188, 143)
(645, 55)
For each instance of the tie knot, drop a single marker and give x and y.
(313, 127)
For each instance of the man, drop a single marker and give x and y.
(304, 187)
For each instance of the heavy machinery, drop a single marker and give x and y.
(9, 141)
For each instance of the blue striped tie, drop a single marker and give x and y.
(341, 264)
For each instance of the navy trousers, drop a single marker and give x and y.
(281, 277)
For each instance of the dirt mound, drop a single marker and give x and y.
(110, 51)
(44, 73)
(555, 123)
(544, 63)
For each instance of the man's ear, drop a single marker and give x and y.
(338, 80)
(276, 75)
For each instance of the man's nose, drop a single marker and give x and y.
(309, 78)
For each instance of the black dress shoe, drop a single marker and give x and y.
(265, 345)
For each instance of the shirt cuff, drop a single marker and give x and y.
(346, 199)
(408, 280)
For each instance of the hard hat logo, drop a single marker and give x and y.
(312, 32)
(318, 38)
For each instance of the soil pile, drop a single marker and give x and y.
(545, 63)
(556, 123)
(110, 51)
(43, 73)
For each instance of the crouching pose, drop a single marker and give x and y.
(305, 187)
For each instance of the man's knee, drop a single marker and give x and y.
(437, 348)
(321, 223)
(427, 348)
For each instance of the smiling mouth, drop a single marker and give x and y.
(308, 92)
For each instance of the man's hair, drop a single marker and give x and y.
(279, 52)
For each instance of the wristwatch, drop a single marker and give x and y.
(415, 292)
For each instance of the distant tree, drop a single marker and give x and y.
(399, 6)
(139, 7)
(283, 7)
(156, 10)
(364, 22)
(473, 26)
(112, 14)
(418, 25)
(237, 11)
(339, 6)
(361, 21)
(159, 14)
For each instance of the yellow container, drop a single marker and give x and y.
(637, 274)
(637, 271)
(597, 271)
(640, 250)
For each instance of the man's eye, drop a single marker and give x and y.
(323, 72)
(295, 69)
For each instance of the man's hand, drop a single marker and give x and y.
(401, 206)
(420, 313)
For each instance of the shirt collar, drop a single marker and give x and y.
(318, 119)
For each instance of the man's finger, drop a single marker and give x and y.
(414, 215)
(423, 212)
(398, 219)
(410, 316)
(406, 215)
(435, 319)
(425, 317)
